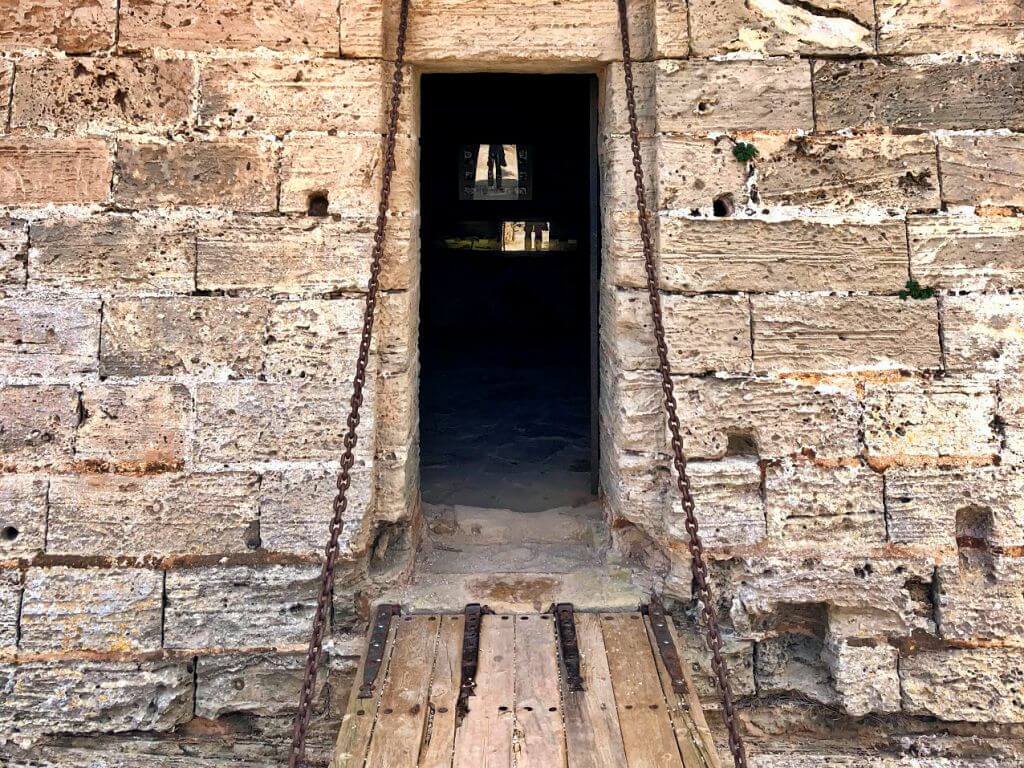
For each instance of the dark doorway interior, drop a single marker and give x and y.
(508, 304)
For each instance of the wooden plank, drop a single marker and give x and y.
(402, 712)
(647, 733)
(484, 738)
(687, 715)
(539, 740)
(439, 741)
(357, 724)
(591, 720)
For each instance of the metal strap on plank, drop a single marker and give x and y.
(568, 647)
(666, 646)
(375, 649)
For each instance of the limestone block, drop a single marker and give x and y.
(94, 609)
(159, 516)
(862, 171)
(10, 600)
(865, 677)
(618, 186)
(981, 598)
(6, 79)
(113, 253)
(773, 27)
(967, 253)
(67, 95)
(310, 26)
(240, 606)
(983, 170)
(260, 421)
(70, 25)
(37, 425)
(923, 504)
(315, 339)
(210, 336)
(973, 685)
(362, 29)
(984, 332)
(48, 337)
(739, 660)
(22, 515)
(234, 173)
(911, 421)
(921, 26)
(397, 328)
(347, 170)
(295, 509)
(693, 171)
(792, 662)
(45, 171)
(811, 506)
(730, 508)
(139, 426)
(94, 697)
(397, 487)
(836, 333)
(956, 95)
(13, 255)
(704, 333)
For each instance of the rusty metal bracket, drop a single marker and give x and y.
(568, 647)
(666, 645)
(470, 656)
(375, 649)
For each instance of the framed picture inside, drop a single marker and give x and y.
(496, 172)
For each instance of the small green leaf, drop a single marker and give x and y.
(914, 290)
(744, 151)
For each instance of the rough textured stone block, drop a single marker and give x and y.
(981, 598)
(113, 253)
(809, 506)
(922, 26)
(692, 172)
(234, 173)
(618, 187)
(94, 697)
(967, 253)
(42, 171)
(913, 421)
(22, 515)
(240, 606)
(68, 95)
(140, 426)
(37, 425)
(975, 685)
(10, 600)
(984, 332)
(70, 25)
(210, 336)
(983, 170)
(1010, 412)
(308, 26)
(865, 677)
(315, 339)
(48, 337)
(704, 333)
(95, 609)
(6, 79)
(863, 171)
(773, 27)
(835, 333)
(731, 512)
(165, 515)
(929, 95)
(13, 255)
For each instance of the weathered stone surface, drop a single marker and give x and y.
(94, 696)
(193, 514)
(22, 515)
(731, 508)
(42, 171)
(70, 25)
(68, 95)
(983, 170)
(310, 26)
(773, 27)
(13, 255)
(240, 606)
(928, 95)
(211, 336)
(261, 421)
(793, 662)
(981, 598)
(10, 599)
(920, 26)
(618, 186)
(692, 172)
(836, 333)
(810, 506)
(1010, 412)
(914, 421)
(137, 426)
(967, 253)
(984, 332)
(976, 685)
(865, 677)
(704, 333)
(234, 173)
(48, 337)
(37, 425)
(6, 79)
(862, 171)
(315, 339)
(95, 609)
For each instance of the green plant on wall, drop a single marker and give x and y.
(914, 290)
(744, 151)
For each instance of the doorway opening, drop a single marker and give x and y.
(508, 313)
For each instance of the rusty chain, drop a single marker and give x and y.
(709, 613)
(340, 504)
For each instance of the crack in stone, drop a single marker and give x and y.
(829, 13)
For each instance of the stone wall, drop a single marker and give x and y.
(177, 337)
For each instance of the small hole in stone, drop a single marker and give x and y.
(9, 533)
(318, 204)
(723, 205)
(552, 709)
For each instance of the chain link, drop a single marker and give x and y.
(340, 504)
(709, 613)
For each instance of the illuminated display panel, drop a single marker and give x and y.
(496, 172)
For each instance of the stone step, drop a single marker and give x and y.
(525, 557)
(457, 526)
